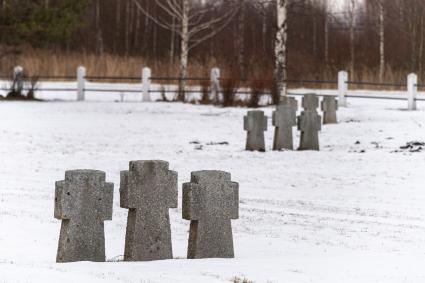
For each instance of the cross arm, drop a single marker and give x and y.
(274, 122)
(265, 123)
(61, 209)
(319, 122)
(246, 123)
(234, 213)
(172, 200)
(107, 201)
(190, 210)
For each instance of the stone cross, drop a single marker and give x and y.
(284, 118)
(329, 107)
(255, 123)
(210, 201)
(148, 190)
(309, 123)
(291, 101)
(83, 201)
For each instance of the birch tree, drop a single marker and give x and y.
(281, 46)
(351, 19)
(192, 25)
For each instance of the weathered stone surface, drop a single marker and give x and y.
(284, 118)
(291, 101)
(210, 201)
(309, 123)
(329, 107)
(148, 190)
(255, 123)
(83, 201)
(310, 102)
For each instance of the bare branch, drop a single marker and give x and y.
(196, 42)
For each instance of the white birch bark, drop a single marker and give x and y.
(184, 49)
(352, 36)
(280, 47)
(193, 26)
(421, 45)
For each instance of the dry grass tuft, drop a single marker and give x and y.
(241, 280)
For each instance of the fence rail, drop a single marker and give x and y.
(179, 79)
(144, 85)
(115, 78)
(376, 84)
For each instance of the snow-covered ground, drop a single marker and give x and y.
(353, 212)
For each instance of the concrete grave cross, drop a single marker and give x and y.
(329, 107)
(83, 201)
(310, 102)
(210, 201)
(291, 101)
(148, 190)
(284, 118)
(255, 123)
(309, 123)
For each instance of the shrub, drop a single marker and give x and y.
(257, 90)
(229, 90)
(205, 92)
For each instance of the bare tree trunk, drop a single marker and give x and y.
(241, 38)
(155, 39)
(117, 25)
(46, 4)
(326, 33)
(155, 44)
(127, 28)
(184, 52)
(381, 41)
(280, 47)
(264, 32)
(413, 41)
(314, 30)
(352, 26)
(421, 45)
(172, 41)
(137, 30)
(99, 37)
(146, 28)
(192, 29)
(131, 27)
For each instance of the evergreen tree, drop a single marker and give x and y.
(34, 23)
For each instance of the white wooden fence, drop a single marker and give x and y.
(146, 78)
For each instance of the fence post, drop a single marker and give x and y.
(18, 79)
(215, 84)
(146, 84)
(412, 89)
(81, 83)
(342, 88)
